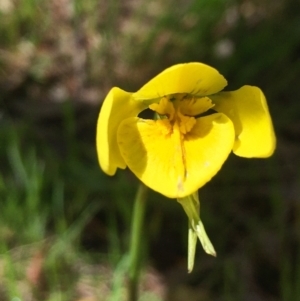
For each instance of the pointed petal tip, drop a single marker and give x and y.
(210, 250)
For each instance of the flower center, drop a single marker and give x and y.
(177, 112)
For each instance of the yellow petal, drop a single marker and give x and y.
(248, 110)
(164, 107)
(207, 147)
(168, 165)
(195, 105)
(193, 78)
(117, 106)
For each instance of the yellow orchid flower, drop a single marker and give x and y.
(184, 146)
(196, 129)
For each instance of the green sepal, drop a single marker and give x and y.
(191, 206)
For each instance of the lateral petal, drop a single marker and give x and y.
(247, 108)
(192, 78)
(117, 106)
(168, 165)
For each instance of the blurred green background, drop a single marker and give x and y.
(64, 224)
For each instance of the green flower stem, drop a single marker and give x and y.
(135, 242)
